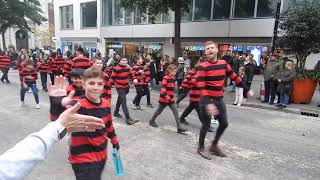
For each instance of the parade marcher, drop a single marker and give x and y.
(5, 63)
(88, 163)
(167, 98)
(240, 90)
(106, 94)
(120, 77)
(43, 68)
(210, 79)
(53, 67)
(29, 77)
(139, 80)
(147, 84)
(60, 62)
(285, 83)
(81, 61)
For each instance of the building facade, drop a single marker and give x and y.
(237, 25)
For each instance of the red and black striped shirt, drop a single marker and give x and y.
(147, 75)
(106, 94)
(91, 147)
(29, 75)
(81, 62)
(43, 67)
(167, 90)
(211, 76)
(67, 68)
(136, 74)
(78, 91)
(5, 62)
(120, 76)
(187, 80)
(194, 91)
(52, 65)
(59, 61)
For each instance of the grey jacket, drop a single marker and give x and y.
(272, 69)
(286, 76)
(180, 71)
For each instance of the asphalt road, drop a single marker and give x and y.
(260, 144)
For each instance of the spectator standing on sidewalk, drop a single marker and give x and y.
(285, 83)
(271, 69)
(317, 68)
(180, 72)
(250, 68)
(239, 95)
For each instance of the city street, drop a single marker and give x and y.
(260, 144)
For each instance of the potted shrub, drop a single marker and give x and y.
(300, 35)
(304, 85)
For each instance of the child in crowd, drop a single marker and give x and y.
(97, 63)
(239, 90)
(28, 75)
(88, 150)
(43, 68)
(138, 76)
(120, 76)
(146, 85)
(167, 98)
(285, 83)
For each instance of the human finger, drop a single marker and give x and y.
(74, 109)
(56, 80)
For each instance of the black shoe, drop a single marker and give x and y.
(130, 121)
(8, 82)
(278, 105)
(181, 129)
(265, 101)
(117, 115)
(183, 121)
(2, 80)
(153, 124)
(149, 106)
(139, 107)
(271, 103)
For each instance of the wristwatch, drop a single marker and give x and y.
(62, 131)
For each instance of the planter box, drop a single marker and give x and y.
(302, 90)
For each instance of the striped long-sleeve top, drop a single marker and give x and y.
(187, 80)
(43, 67)
(106, 94)
(52, 65)
(59, 61)
(120, 76)
(91, 147)
(167, 90)
(147, 75)
(81, 62)
(5, 62)
(138, 74)
(194, 91)
(28, 75)
(211, 76)
(67, 68)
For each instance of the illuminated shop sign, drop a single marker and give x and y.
(155, 47)
(194, 48)
(115, 46)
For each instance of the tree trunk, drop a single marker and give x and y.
(3, 40)
(177, 28)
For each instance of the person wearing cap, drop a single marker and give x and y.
(180, 72)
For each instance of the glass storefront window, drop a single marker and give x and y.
(118, 13)
(202, 10)
(128, 19)
(66, 17)
(267, 8)
(187, 16)
(167, 18)
(221, 9)
(140, 18)
(244, 8)
(89, 14)
(106, 12)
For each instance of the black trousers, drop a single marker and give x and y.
(140, 93)
(52, 75)
(206, 121)
(270, 90)
(173, 108)
(181, 96)
(5, 72)
(44, 77)
(190, 108)
(89, 171)
(122, 100)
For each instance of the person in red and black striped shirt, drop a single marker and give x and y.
(147, 77)
(29, 76)
(5, 63)
(167, 98)
(210, 80)
(88, 150)
(43, 68)
(59, 63)
(52, 67)
(97, 63)
(120, 76)
(81, 61)
(139, 81)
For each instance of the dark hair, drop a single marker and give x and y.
(76, 73)
(92, 73)
(80, 50)
(27, 62)
(86, 54)
(53, 54)
(146, 60)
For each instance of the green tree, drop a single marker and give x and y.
(156, 7)
(300, 27)
(17, 12)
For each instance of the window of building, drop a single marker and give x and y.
(187, 16)
(267, 8)
(106, 12)
(128, 17)
(66, 17)
(202, 10)
(89, 14)
(118, 13)
(140, 18)
(167, 18)
(244, 8)
(221, 9)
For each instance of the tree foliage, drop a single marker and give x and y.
(16, 12)
(300, 26)
(154, 7)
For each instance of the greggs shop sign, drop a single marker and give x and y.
(194, 48)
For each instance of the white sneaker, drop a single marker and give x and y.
(38, 106)
(29, 91)
(238, 104)
(22, 104)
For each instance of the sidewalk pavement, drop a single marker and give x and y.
(303, 109)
